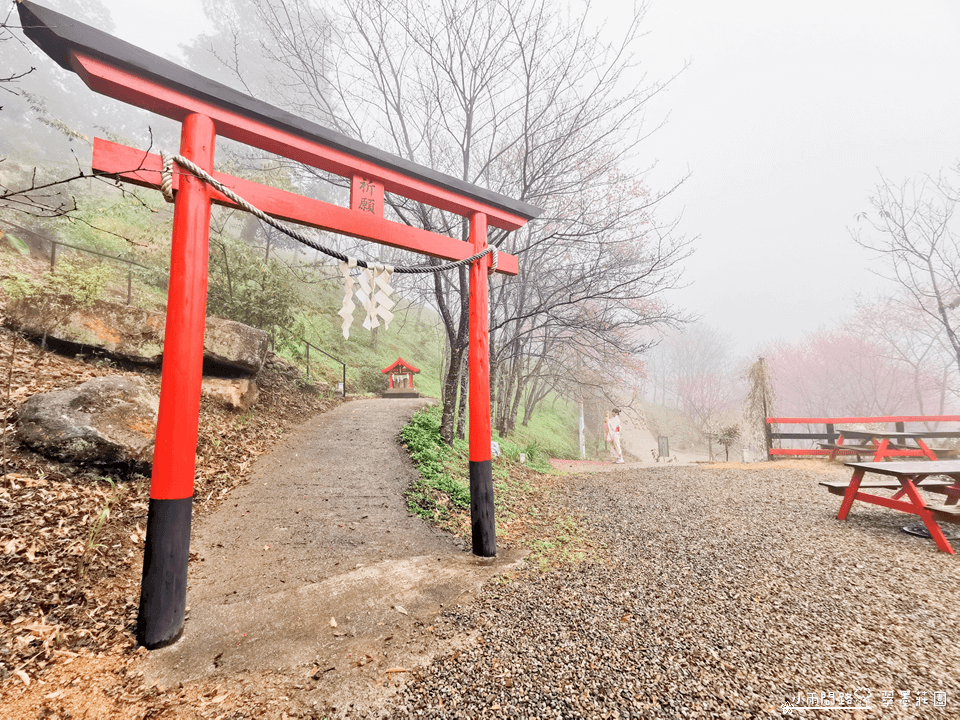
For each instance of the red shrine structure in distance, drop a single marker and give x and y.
(207, 111)
(401, 379)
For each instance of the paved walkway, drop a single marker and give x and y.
(320, 531)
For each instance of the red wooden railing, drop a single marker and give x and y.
(831, 434)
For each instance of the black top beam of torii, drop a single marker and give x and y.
(67, 41)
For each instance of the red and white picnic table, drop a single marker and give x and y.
(881, 443)
(907, 478)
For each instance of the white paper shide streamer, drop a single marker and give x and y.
(346, 312)
(373, 293)
(383, 292)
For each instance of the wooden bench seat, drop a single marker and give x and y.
(857, 450)
(938, 476)
(941, 453)
(835, 446)
(840, 487)
(946, 513)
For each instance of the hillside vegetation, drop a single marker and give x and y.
(293, 295)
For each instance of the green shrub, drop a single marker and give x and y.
(52, 297)
(371, 380)
(431, 456)
(245, 288)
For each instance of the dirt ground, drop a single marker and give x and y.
(640, 450)
(71, 538)
(313, 592)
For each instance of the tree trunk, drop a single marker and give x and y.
(226, 271)
(533, 397)
(517, 397)
(496, 408)
(494, 390)
(248, 233)
(503, 395)
(451, 383)
(462, 404)
(459, 342)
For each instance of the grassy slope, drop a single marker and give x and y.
(552, 431)
(414, 335)
(672, 423)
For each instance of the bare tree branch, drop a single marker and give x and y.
(913, 229)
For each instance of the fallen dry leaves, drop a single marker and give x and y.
(68, 590)
(68, 599)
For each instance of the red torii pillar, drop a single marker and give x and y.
(163, 589)
(482, 522)
(207, 109)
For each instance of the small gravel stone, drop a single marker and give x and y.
(723, 592)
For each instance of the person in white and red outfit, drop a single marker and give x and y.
(614, 429)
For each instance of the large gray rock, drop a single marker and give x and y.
(234, 393)
(137, 335)
(235, 345)
(105, 421)
(126, 332)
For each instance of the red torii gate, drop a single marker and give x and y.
(206, 109)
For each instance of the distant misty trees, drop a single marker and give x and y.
(888, 358)
(899, 354)
(48, 119)
(695, 371)
(873, 364)
(520, 97)
(11, 75)
(48, 114)
(913, 228)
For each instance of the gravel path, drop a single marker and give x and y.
(728, 592)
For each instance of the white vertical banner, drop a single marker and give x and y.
(583, 445)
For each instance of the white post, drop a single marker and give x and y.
(583, 445)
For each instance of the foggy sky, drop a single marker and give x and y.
(784, 117)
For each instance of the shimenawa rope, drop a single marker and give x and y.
(166, 187)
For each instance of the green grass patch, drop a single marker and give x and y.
(531, 509)
(551, 433)
(437, 491)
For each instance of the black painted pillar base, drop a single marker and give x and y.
(482, 518)
(163, 590)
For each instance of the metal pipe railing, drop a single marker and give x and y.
(53, 262)
(335, 359)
